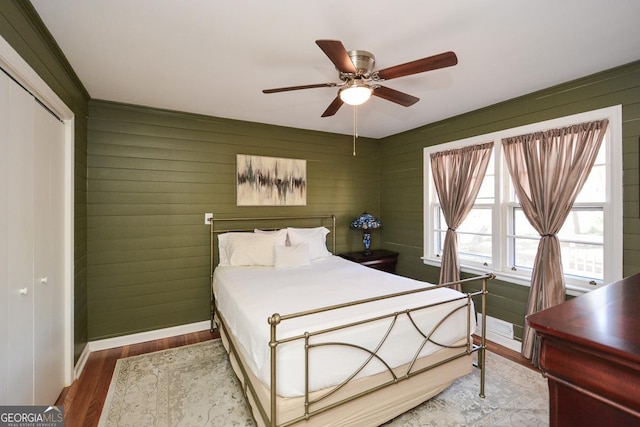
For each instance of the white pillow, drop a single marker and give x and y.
(315, 237)
(243, 249)
(291, 256)
(223, 240)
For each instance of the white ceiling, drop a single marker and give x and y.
(215, 57)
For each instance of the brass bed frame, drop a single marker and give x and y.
(316, 403)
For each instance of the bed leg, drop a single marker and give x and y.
(212, 309)
(212, 306)
(483, 339)
(212, 324)
(482, 370)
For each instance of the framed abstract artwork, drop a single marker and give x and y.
(270, 181)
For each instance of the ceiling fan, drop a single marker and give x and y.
(358, 80)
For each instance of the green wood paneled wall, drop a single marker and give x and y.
(22, 28)
(152, 176)
(402, 170)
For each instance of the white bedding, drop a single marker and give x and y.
(247, 296)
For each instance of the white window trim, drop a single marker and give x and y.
(613, 207)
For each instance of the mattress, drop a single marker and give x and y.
(247, 296)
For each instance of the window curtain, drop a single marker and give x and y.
(548, 170)
(457, 175)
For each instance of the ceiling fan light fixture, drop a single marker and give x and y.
(359, 80)
(355, 93)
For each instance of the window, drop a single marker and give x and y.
(475, 233)
(496, 236)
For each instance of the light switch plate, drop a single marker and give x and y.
(207, 217)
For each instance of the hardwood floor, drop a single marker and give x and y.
(507, 353)
(84, 399)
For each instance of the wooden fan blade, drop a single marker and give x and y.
(442, 60)
(286, 89)
(333, 107)
(336, 52)
(396, 96)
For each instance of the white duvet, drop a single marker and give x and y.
(247, 296)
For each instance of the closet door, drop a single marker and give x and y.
(31, 250)
(19, 150)
(48, 292)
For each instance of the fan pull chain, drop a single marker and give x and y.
(355, 128)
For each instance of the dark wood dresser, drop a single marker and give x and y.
(590, 355)
(379, 259)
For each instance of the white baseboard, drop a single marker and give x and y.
(148, 336)
(82, 360)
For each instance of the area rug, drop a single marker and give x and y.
(194, 385)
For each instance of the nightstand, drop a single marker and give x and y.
(379, 259)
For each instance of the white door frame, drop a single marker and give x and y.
(18, 68)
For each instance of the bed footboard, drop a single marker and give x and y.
(318, 403)
(315, 406)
